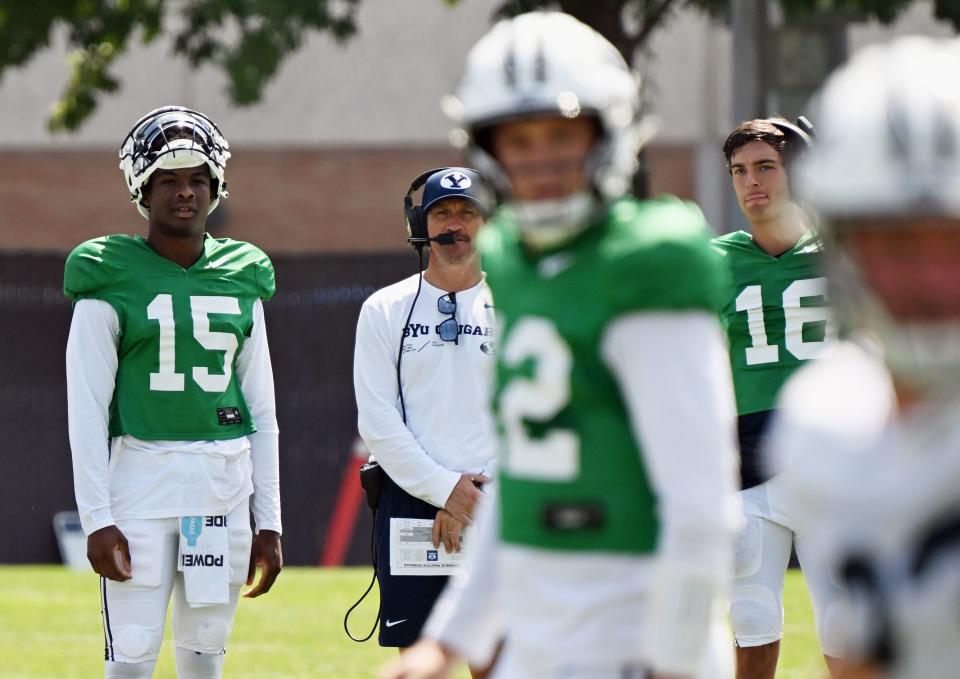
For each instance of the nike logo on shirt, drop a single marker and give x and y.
(391, 623)
(551, 265)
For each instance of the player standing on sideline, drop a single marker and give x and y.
(610, 547)
(423, 369)
(868, 436)
(168, 357)
(776, 318)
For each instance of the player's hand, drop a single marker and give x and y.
(268, 554)
(463, 500)
(426, 659)
(448, 531)
(109, 553)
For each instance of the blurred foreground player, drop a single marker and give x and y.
(609, 549)
(870, 436)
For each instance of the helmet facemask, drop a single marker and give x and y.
(173, 138)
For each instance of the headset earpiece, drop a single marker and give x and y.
(800, 139)
(413, 214)
(802, 133)
(409, 217)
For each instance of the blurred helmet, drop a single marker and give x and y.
(890, 133)
(886, 175)
(545, 63)
(173, 137)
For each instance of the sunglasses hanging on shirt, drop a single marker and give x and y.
(449, 330)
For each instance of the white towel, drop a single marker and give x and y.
(205, 560)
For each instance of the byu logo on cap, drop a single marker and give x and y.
(455, 180)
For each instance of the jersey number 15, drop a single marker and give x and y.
(168, 379)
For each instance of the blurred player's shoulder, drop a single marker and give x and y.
(657, 255)
(847, 390)
(664, 218)
(832, 415)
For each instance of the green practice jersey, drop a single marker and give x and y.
(775, 315)
(180, 332)
(572, 475)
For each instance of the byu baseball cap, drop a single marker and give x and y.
(457, 182)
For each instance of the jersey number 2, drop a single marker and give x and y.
(795, 317)
(168, 379)
(556, 455)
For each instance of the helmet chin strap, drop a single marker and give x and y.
(548, 223)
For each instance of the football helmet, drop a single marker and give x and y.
(887, 173)
(173, 137)
(550, 63)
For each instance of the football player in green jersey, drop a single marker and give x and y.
(608, 550)
(776, 319)
(171, 407)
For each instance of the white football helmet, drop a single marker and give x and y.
(173, 137)
(889, 153)
(542, 63)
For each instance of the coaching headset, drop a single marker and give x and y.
(438, 184)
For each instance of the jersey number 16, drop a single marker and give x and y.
(795, 317)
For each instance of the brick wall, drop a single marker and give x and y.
(284, 200)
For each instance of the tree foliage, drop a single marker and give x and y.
(249, 39)
(628, 24)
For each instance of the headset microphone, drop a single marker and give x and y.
(440, 239)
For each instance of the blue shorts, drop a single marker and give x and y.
(406, 600)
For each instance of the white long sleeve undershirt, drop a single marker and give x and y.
(673, 369)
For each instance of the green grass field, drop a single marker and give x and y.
(50, 628)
